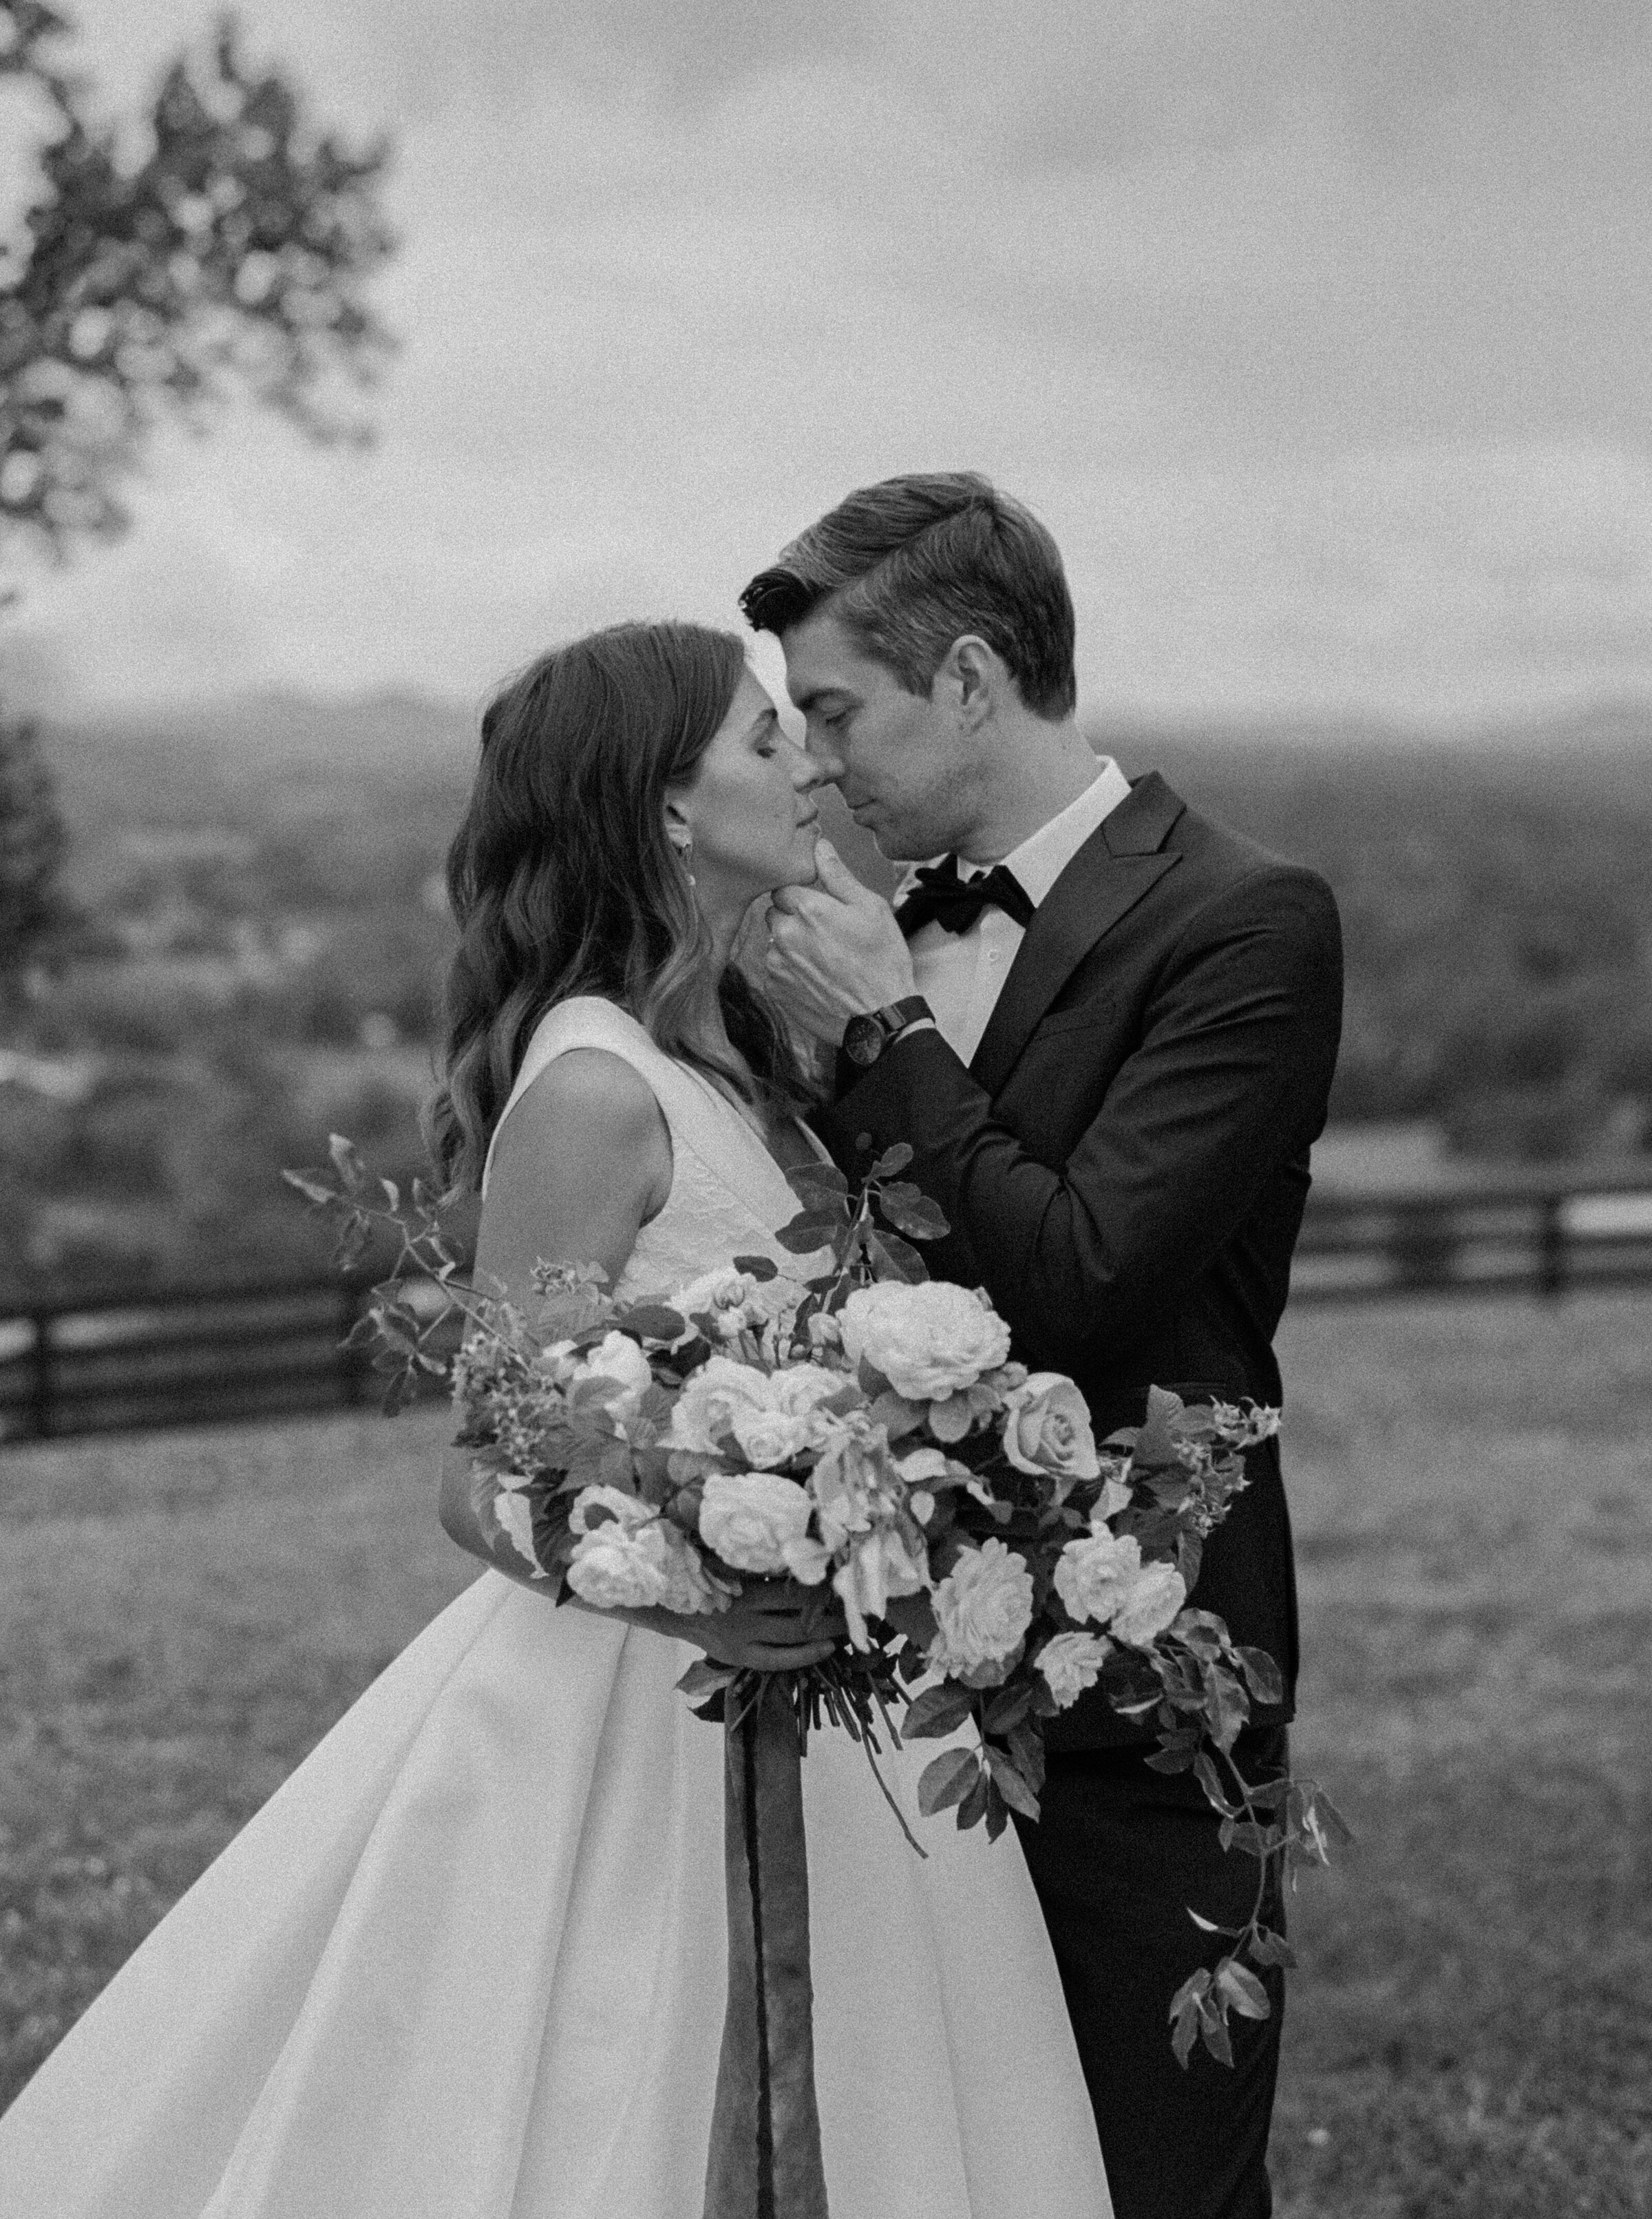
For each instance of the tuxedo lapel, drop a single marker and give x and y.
(1107, 878)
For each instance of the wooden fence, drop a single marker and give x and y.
(108, 1363)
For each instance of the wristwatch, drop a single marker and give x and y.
(866, 1037)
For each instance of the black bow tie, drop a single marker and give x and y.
(941, 896)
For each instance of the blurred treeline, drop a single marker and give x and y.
(259, 933)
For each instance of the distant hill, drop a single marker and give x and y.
(265, 933)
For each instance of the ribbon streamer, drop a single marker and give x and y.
(765, 2159)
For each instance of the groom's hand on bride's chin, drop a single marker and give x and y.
(833, 949)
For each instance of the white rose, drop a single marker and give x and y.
(1093, 1574)
(618, 1567)
(793, 1422)
(705, 1409)
(983, 1609)
(750, 1517)
(627, 1510)
(623, 1565)
(929, 1341)
(1157, 1593)
(1047, 1428)
(1071, 1662)
(774, 1415)
(618, 1365)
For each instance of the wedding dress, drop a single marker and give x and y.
(468, 1961)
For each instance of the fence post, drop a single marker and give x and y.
(41, 1381)
(1552, 1258)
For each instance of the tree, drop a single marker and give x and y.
(231, 251)
(32, 844)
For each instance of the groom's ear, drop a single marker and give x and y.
(969, 679)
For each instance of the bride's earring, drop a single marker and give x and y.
(685, 852)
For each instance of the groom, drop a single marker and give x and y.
(1107, 1027)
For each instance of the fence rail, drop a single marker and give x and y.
(119, 1360)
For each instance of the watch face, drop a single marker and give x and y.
(863, 1038)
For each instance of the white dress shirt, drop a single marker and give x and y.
(961, 974)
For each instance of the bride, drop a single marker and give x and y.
(468, 1961)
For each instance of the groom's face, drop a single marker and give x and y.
(896, 757)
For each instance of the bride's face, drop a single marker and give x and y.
(749, 809)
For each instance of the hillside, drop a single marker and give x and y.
(264, 932)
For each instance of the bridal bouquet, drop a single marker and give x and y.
(861, 1431)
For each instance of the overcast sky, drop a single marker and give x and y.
(1319, 334)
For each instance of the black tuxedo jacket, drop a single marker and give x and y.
(1124, 1161)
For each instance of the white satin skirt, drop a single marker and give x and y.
(468, 1963)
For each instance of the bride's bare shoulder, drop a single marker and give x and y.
(584, 1096)
(582, 1161)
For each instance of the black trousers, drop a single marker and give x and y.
(1119, 1856)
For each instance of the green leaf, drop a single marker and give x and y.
(976, 1805)
(762, 1268)
(1026, 1747)
(1332, 1820)
(1184, 2014)
(909, 1209)
(1264, 1676)
(809, 1229)
(1156, 1440)
(949, 1420)
(309, 1185)
(1270, 1948)
(1213, 2027)
(1007, 1708)
(913, 1616)
(652, 1321)
(1242, 1989)
(818, 1185)
(892, 1159)
(347, 1249)
(896, 1414)
(346, 1161)
(949, 1778)
(937, 1711)
(1006, 1778)
(1226, 1706)
(893, 1259)
(1205, 1773)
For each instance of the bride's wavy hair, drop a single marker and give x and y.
(563, 882)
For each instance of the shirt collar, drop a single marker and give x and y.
(1044, 854)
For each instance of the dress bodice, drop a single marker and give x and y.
(728, 1193)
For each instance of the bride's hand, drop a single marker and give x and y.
(773, 1625)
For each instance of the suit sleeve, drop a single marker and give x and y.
(1228, 1084)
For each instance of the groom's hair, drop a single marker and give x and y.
(910, 565)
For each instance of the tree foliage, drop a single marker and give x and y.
(231, 251)
(32, 844)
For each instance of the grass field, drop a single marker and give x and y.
(1471, 2033)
